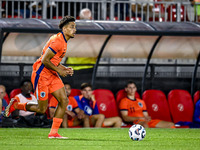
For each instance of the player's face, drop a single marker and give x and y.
(131, 89)
(69, 30)
(68, 89)
(87, 92)
(27, 88)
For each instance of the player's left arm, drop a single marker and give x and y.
(46, 60)
(70, 69)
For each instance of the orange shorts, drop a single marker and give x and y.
(151, 123)
(43, 85)
(70, 123)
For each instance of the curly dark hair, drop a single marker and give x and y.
(65, 20)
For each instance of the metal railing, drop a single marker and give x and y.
(124, 10)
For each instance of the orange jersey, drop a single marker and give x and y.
(58, 45)
(71, 105)
(135, 107)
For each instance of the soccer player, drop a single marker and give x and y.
(87, 103)
(73, 115)
(45, 78)
(133, 110)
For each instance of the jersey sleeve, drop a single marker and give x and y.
(17, 98)
(53, 102)
(78, 100)
(144, 105)
(123, 104)
(74, 103)
(95, 109)
(55, 45)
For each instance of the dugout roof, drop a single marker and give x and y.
(122, 39)
(129, 39)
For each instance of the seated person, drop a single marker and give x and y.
(73, 115)
(133, 110)
(25, 97)
(87, 103)
(3, 103)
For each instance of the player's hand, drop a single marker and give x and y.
(147, 118)
(72, 114)
(63, 72)
(70, 69)
(81, 114)
(92, 97)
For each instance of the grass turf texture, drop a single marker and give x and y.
(99, 139)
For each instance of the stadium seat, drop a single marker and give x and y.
(157, 106)
(15, 92)
(159, 12)
(106, 102)
(122, 93)
(75, 92)
(196, 96)
(181, 105)
(7, 98)
(59, 17)
(173, 13)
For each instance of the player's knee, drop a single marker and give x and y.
(170, 124)
(101, 117)
(119, 120)
(64, 101)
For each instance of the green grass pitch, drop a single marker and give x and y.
(99, 139)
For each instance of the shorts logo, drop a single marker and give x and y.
(42, 94)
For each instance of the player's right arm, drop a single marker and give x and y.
(126, 118)
(46, 61)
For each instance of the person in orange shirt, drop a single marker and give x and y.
(74, 116)
(45, 78)
(133, 110)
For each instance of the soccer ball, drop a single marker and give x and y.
(137, 132)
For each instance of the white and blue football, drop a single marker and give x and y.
(137, 132)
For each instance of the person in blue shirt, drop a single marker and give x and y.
(87, 103)
(3, 103)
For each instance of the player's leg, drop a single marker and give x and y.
(86, 121)
(64, 123)
(62, 99)
(40, 108)
(113, 122)
(97, 120)
(164, 124)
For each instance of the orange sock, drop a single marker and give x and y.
(21, 106)
(55, 126)
(173, 127)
